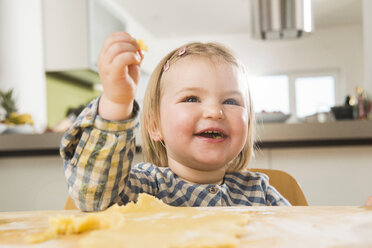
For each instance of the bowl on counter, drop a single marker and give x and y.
(19, 129)
(271, 117)
(3, 127)
(343, 112)
(319, 117)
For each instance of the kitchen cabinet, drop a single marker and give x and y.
(32, 183)
(327, 175)
(74, 31)
(65, 28)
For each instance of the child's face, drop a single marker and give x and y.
(201, 95)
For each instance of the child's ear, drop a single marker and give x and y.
(155, 132)
(156, 136)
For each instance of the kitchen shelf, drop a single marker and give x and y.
(273, 135)
(337, 133)
(12, 145)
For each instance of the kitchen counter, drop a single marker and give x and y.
(337, 133)
(269, 135)
(29, 144)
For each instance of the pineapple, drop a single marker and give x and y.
(12, 117)
(8, 103)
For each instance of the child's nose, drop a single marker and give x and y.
(214, 112)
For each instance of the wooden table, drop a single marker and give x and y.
(269, 227)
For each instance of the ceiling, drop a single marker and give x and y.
(164, 18)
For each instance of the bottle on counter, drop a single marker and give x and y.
(363, 103)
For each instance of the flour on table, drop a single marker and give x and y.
(150, 223)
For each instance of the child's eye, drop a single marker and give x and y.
(231, 102)
(190, 99)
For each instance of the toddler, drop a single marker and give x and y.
(197, 132)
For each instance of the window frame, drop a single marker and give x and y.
(292, 85)
(292, 76)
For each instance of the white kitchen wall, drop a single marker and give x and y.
(34, 183)
(21, 56)
(339, 49)
(367, 35)
(136, 30)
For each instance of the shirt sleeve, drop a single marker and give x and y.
(97, 157)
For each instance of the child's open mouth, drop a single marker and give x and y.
(211, 134)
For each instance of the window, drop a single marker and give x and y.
(314, 94)
(270, 93)
(296, 94)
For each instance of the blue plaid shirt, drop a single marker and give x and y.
(97, 163)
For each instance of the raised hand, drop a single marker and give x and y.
(119, 70)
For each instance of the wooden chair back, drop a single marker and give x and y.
(70, 205)
(286, 185)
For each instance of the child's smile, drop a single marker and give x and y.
(213, 135)
(203, 116)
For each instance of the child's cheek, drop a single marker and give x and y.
(237, 114)
(176, 122)
(183, 120)
(238, 121)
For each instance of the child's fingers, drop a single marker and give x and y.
(119, 37)
(108, 53)
(118, 48)
(122, 60)
(134, 72)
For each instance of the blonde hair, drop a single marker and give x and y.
(154, 151)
